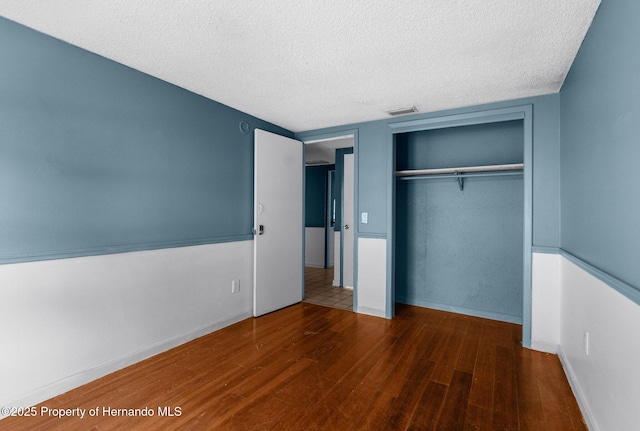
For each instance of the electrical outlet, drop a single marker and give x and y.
(586, 343)
(235, 286)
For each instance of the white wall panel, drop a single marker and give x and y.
(336, 257)
(66, 322)
(606, 381)
(314, 247)
(545, 302)
(372, 276)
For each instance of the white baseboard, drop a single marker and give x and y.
(577, 392)
(86, 376)
(371, 312)
(543, 346)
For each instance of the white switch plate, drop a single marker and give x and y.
(235, 286)
(364, 218)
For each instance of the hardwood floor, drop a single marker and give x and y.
(309, 367)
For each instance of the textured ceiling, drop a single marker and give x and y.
(310, 64)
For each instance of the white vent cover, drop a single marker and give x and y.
(402, 111)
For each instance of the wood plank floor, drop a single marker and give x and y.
(309, 367)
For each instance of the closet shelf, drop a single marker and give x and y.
(460, 173)
(460, 170)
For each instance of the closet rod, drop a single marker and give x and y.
(461, 176)
(438, 171)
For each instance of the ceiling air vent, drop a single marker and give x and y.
(402, 111)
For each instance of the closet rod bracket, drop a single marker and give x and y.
(460, 179)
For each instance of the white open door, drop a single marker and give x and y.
(348, 221)
(278, 205)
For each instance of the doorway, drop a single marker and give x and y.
(329, 191)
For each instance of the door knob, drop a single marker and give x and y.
(346, 226)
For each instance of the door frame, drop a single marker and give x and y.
(349, 133)
(343, 221)
(328, 226)
(524, 113)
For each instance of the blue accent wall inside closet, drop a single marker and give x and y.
(461, 250)
(96, 157)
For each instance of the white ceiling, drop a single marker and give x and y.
(305, 64)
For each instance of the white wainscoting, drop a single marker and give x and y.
(336, 262)
(66, 322)
(545, 302)
(314, 238)
(569, 301)
(606, 382)
(372, 276)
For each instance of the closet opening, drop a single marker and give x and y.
(460, 219)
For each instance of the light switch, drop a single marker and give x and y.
(364, 218)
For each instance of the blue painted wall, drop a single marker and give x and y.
(96, 157)
(461, 250)
(373, 168)
(484, 144)
(316, 195)
(600, 153)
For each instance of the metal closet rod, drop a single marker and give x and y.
(461, 176)
(460, 170)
